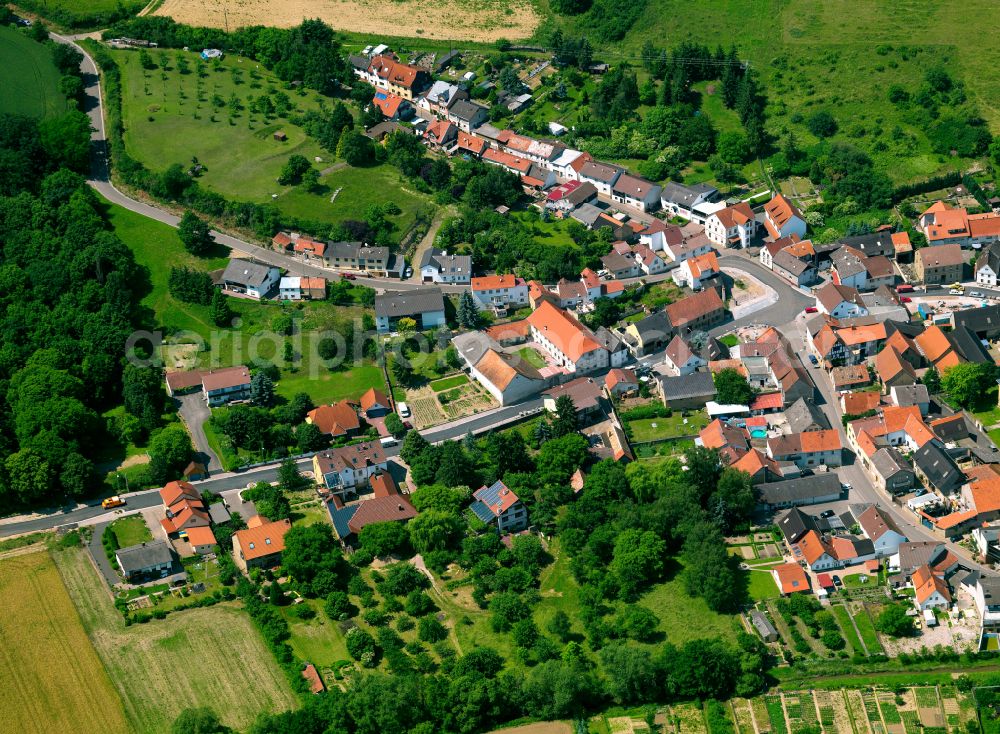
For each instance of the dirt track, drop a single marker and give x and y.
(469, 20)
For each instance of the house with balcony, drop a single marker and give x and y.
(348, 469)
(734, 226)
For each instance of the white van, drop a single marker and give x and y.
(403, 409)
(389, 441)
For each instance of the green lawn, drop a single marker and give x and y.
(157, 247)
(170, 118)
(351, 191)
(28, 78)
(867, 630)
(79, 14)
(449, 382)
(318, 640)
(131, 530)
(654, 429)
(730, 340)
(761, 585)
(844, 619)
(683, 617)
(532, 357)
(553, 232)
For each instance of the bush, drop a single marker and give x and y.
(833, 640)
(822, 124)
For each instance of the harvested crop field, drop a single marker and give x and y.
(541, 727)
(199, 657)
(53, 681)
(466, 20)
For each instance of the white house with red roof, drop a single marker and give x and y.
(500, 291)
(734, 226)
(694, 270)
(783, 219)
(392, 106)
(441, 134)
(790, 578)
(570, 344)
(930, 590)
(620, 382)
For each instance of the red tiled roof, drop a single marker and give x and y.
(200, 536)
(387, 508)
(565, 332)
(372, 398)
(791, 578)
(263, 538)
(337, 419)
(779, 211)
(767, 401)
(693, 307)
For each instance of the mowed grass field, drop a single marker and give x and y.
(28, 79)
(841, 55)
(157, 247)
(170, 118)
(201, 657)
(52, 678)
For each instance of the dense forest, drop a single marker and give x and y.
(67, 306)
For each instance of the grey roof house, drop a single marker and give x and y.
(933, 463)
(809, 490)
(803, 416)
(423, 305)
(437, 266)
(151, 560)
(250, 278)
(687, 391)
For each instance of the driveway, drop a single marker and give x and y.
(97, 552)
(194, 412)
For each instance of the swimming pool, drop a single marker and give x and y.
(758, 433)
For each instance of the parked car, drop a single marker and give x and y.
(403, 409)
(348, 276)
(905, 299)
(976, 294)
(811, 309)
(837, 581)
(408, 273)
(110, 502)
(904, 288)
(827, 513)
(812, 358)
(956, 292)
(845, 485)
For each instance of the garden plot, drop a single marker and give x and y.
(688, 719)
(856, 710)
(742, 715)
(888, 704)
(758, 707)
(800, 709)
(432, 407)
